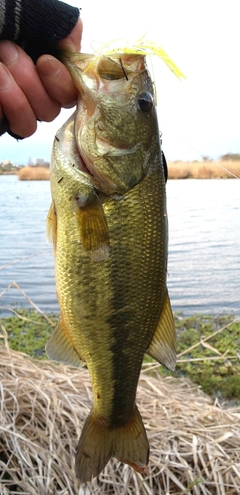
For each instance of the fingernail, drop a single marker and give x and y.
(67, 44)
(5, 78)
(8, 52)
(48, 67)
(70, 46)
(70, 105)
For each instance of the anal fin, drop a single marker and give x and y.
(60, 346)
(163, 345)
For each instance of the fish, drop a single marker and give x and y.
(109, 228)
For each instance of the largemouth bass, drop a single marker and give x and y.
(108, 224)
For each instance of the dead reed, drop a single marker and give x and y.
(195, 443)
(176, 170)
(34, 173)
(204, 170)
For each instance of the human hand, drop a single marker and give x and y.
(29, 92)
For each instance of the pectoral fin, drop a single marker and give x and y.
(60, 346)
(163, 345)
(51, 226)
(93, 228)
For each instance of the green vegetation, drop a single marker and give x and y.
(29, 332)
(7, 167)
(208, 353)
(207, 347)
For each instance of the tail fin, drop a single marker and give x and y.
(99, 442)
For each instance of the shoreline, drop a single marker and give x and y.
(225, 169)
(28, 331)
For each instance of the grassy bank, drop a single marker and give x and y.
(203, 170)
(207, 348)
(194, 441)
(34, 173)
(208, 353)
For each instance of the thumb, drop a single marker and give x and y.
(73, 41)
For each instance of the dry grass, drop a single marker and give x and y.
(203, 170)
(195, 444)
(34, 173)
(176, 170)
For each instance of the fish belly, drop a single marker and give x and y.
(112, 307)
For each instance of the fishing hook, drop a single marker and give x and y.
(124, 71)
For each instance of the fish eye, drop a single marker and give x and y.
(145, 101)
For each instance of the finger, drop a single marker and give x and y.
(15, 106)
(73, 41)
(57, 81)
(1, 110)
(4, 125)
(26, 76)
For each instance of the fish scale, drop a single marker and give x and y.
(111, 258)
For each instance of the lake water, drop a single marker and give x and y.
(204, 245)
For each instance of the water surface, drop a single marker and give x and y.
(204, 245)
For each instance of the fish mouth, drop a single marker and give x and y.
(99, 180)
(103, 181)
(104, 148)
(83, 167)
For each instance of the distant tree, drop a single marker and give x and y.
(235, 157)
(206, 158)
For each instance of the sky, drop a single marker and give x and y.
(199, 116)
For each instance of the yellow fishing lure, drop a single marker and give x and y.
(140, 47)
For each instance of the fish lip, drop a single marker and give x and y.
(110, 150)
(83, 166)
(103, 182)
(96, 180)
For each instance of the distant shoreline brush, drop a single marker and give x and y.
(34, 173)
(176, 170)
(225, 169)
